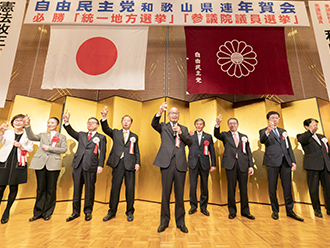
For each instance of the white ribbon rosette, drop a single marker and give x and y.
(325, 141)
(131, 147)
(96, 140)
(244, 141)
(284, 137)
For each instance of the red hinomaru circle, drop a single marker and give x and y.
(96, 56)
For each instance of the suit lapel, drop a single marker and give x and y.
(169, 130)
(313, 137)
(231, 138)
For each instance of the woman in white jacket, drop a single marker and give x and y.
(13, 169)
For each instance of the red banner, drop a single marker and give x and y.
(237, 61)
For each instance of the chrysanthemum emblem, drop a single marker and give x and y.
(236, 58)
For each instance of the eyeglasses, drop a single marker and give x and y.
(174, 113)
(91, 122)
(18, 120)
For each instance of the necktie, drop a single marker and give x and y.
(235, 139)
(317, 139)
(199, 138)
(277, 134)
(89, 136)
(125, 136)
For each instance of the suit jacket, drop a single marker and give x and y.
(167, 148)
(85, 152)
(275, 148)
(8, 139)
(51, 158)
(197, 151)
(119, 147)
(229, 159)
(316, 155)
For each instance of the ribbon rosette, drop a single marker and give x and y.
(206, 147)
(22, 160)
(244, 141)
(325, 141)
(131, 146)
(96, 140)
(284, 137)
(55, 139)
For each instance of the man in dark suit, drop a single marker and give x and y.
(88, 161)
(171, 158)
(279, 159)
(237, 160)
(316, 163)
(199, 164)
(124, 159)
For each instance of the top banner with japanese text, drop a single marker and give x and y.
(320, 13)
(168, 12)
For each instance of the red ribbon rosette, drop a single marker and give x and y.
(131, 147)
(96, 140)
(206, 147)
(22, 160)
(55, 140)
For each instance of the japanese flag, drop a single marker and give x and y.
(98, 57)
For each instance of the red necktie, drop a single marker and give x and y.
(89, 136)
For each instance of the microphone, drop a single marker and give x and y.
(175, 132)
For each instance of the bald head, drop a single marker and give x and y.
(173, 114)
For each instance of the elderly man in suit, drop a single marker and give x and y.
(237, 160)
(171, 158)
(316, 163)
(124, 159)
(279, 159)
(88, 161)
(47, 163)
(199, 164)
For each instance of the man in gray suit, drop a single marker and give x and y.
(88, 161)
(317, 164)
(279, 159)
(171, 158)
(237, 160)
(47, 163)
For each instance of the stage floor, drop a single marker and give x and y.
(213, 231)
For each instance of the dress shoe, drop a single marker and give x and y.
(294, 216)
(72, 217)
(318, 214)
(4, 221)
(108, 217)
(161, 228)
(249, 216)
(47, 217)
(130, 217)
(88, 217)
(231, 216)
(275, 216)
(205, 212)
(34, 218)
(192, 211)
(183, 228)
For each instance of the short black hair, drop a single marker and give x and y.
(272, 113)
(56, 119)
(128, 117)
(94, 118)
(309, 121)
(232, 118)
(16, 117)
(199, 119)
